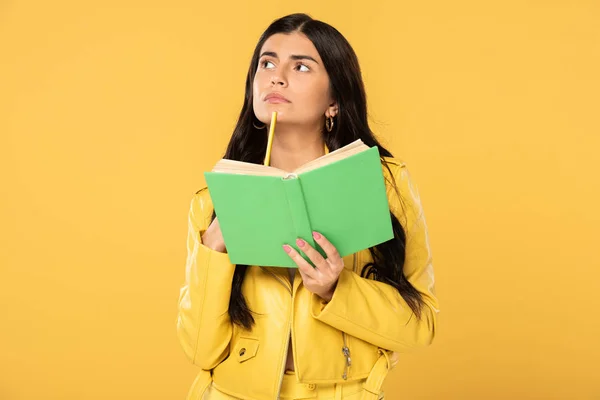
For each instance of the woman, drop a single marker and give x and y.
(331, 332)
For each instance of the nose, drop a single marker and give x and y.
(278, 79)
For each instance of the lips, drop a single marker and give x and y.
(276, 98)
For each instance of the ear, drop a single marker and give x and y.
(332, 110)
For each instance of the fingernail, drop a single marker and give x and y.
(287, 248)
(317, 235)
(300, 242)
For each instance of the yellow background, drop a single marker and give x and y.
(111, 111)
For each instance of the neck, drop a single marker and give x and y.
(295, 146)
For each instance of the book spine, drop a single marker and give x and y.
(298, 211)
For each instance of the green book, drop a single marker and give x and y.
(260, 208)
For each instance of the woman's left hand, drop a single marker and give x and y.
(321, 280)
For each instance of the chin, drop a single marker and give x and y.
(265, 116)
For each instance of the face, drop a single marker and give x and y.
(292, 80)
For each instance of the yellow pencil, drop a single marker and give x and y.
(270, 141)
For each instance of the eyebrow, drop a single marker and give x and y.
(293, 56)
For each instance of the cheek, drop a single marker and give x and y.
(315, 95)
(256, 103)
(255, 89)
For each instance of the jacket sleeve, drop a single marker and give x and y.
(203, 325)
(374, 311)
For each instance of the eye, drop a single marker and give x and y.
(265, 64)
(301, 66)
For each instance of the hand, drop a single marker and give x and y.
(321, 279)
(213, 238)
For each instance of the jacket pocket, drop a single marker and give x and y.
(245, 348)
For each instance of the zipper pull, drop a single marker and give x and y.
(346, 352)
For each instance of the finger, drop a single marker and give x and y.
(303, 265)
(312, 254)
(305, 278)
(332, 254)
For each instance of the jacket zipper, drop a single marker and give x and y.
(345, 348)
(346, 353)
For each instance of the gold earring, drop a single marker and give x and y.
(259, 127)
(329, 124)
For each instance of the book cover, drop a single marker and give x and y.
(342, 196)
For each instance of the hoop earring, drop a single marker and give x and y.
(259, 127)
(329, 124)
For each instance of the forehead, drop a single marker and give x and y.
(287, 44)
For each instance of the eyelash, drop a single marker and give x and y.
(262, 64)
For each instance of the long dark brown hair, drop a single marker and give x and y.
(249, 143)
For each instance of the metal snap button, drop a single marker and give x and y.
(242, 351)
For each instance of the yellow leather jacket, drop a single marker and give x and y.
(364, 316)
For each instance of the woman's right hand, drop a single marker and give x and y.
(213, 238)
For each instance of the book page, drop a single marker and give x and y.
(245, 168)
(343, 152)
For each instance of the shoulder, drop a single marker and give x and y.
(201, 207)
(402, 191)
(202, 196)
(393, 170)
(394, 163)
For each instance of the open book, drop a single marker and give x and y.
(260, 208)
